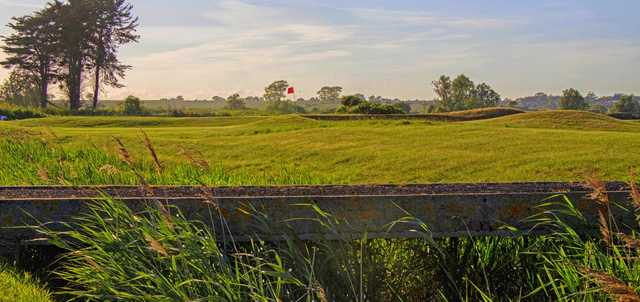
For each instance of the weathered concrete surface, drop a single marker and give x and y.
(448, 210)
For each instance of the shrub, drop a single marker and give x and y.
(572, 100)
(234, 102)
(356, 105)
(284, 107)
(132, 106)
(12, 112)
(626, 104)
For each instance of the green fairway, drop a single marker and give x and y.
(539, 146)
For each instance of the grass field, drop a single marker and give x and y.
(538, 146)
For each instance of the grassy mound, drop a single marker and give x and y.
(484, 113)
(566, 119)
(21, 287)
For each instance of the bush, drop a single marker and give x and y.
(356, 105)
(12, 112)
(627, 104)
(572, 100)
(284, 107)
(132, 106)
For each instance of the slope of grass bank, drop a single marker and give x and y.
(573, 120)
(546, 146)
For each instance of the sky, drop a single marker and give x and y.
(392, 48)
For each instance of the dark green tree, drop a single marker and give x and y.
(443, 90)
(113, 25)
(20, 89)
(32, 50)
(234, 102)
(485, 96)
(349, 101)
(462, 93)
(329, 94)
(132, 106)
(626, 104)
(572, 100)
(276, 91)
(75, 45)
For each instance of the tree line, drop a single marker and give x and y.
(462, 93)
(66, 43)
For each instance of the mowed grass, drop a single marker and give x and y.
(538, 146)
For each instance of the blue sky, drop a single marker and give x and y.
(200, 48)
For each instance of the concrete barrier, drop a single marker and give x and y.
(448, 209)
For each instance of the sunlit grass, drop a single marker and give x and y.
(16, 286)
(499, 150)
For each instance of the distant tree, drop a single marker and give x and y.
(512, 103)
(113, 24)
(598, 108)
(284, 107)
(375, 99)
(403, 106)
(349, 101)
(218, 99)
(132, 106)
(21, 89)
(234, 102)
(360, 96)
(276, 91)
(179, 98)
(329, 94)
(443, 90)
(32, 50)
(485, 96)
(462, 93)
(626, 104)
(572, 100)
(591, 97)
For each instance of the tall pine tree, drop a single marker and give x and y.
(32, 49)
(113, 25)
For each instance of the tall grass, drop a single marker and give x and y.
(116, 254)
(17, 286)
(38, 162)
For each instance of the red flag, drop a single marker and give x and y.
(291, 90)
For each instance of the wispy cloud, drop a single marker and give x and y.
(20, 3)
(423, 18)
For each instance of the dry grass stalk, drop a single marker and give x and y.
(630, 242)
(152, 151)
(613, 286)
(602, 198)
(322, 295)
(196, 159)
(156, 246)
(43, 174)
(109, 170)
(124, 153)
(50, 133)
(635, 191)
(207, 196)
